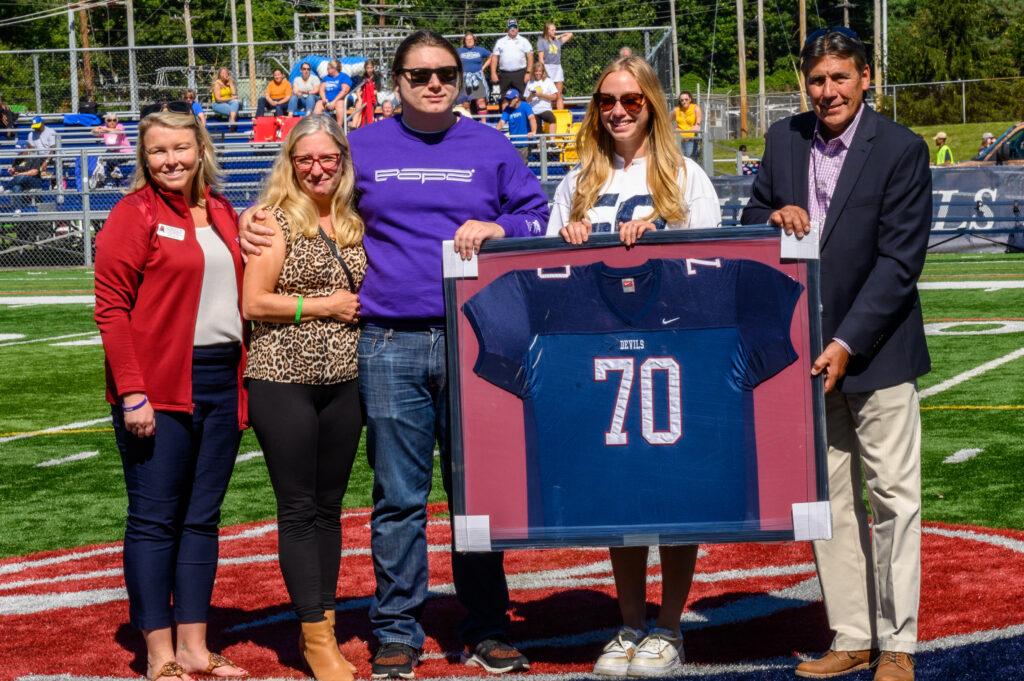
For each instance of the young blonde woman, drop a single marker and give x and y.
(549, 53)
(631, 179)
(301, 375)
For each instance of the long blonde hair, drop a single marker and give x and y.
(207, 174)
(284, 191)
(664, 159)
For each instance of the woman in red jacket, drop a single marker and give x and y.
(168, 283)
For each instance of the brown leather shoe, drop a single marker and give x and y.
(835, 663)
(895, 667)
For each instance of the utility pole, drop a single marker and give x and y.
(762, 118)
(83, 25)
(803, 39)
(133, 81)
(741, 42)
(878, 52)
(252, 53)
(191, 50)
(330, 30)
(675, 50)
(74, 60)
(234, 38)
(885, 47)
(847, 6)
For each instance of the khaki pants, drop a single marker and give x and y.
(872, 580)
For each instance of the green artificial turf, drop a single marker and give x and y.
(83, 502)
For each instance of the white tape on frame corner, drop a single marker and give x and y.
(454, 266)
(472, 533)
(812, 520)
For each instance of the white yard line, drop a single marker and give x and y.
(962, 455)
(25, 301)
(971, 373)
(55, 429)
(52, 338)
(67, 459)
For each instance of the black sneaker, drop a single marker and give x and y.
(394, 661)
(497, 656)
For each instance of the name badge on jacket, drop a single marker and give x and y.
(170, 232)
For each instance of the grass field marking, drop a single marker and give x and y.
(11, 336)
(251, 533)
(11, 568)
(973, 407)
(33, 603)
(976, 319)
(971, 373)
(13, 301)
(55, 429)
(962, 455)
(68, 459)
(1015, 545)
(112, 572)
(988, 286)
(248, 455)
(52, 338)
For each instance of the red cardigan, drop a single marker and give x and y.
(149, 275)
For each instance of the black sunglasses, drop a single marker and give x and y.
(841, 30)
(632, 102)
(173, 107)
(421, 76)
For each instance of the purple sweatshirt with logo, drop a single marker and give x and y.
(414, 190)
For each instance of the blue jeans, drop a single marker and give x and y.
(22, 183)
(403, 383)
(227, 108)
(691, 147)
(262, 106)
(307, 102)
(176, 482)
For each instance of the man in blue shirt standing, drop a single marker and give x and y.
(522, 124)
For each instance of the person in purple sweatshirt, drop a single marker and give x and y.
(424, 177)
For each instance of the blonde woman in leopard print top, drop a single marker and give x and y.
(301, 294)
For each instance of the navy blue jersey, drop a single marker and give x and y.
(637, 387)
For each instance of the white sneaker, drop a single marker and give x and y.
(614, 660)
(660, 653)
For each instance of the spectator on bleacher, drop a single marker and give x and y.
(26, 172)
(387, 109)
(549, 51)
(630, 161)
(688, 117)
(334, 89)
(116, 141)
(522, 124)
(514, 60)
(305, 89)
(225, 97)
(189, 97)
(402, 367)
(541, 93)
(40, 136)
(366, 94)
(277, 95)
(8, 119)
(304, 406)
(168, 293)
(475, 59)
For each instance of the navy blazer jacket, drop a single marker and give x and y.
(873, 242)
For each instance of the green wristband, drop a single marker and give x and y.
(298, 311)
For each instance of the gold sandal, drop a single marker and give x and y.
(221, 661)
(171, 669)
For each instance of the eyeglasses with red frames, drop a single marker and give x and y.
(305, 163)
(632, 102)
(421, 76)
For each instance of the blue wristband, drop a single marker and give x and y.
(138, 406)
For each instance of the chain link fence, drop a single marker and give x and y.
(123, 79)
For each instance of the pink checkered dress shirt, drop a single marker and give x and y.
(823, 171)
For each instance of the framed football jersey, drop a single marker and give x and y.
(660, 394)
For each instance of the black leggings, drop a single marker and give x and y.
(309, 435)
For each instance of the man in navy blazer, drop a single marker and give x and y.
(865, 181)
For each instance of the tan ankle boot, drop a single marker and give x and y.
(321, 652)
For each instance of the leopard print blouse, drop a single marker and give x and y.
(321, 351)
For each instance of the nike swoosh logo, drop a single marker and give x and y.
(669, 321)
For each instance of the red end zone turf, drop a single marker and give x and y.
(65, 612)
